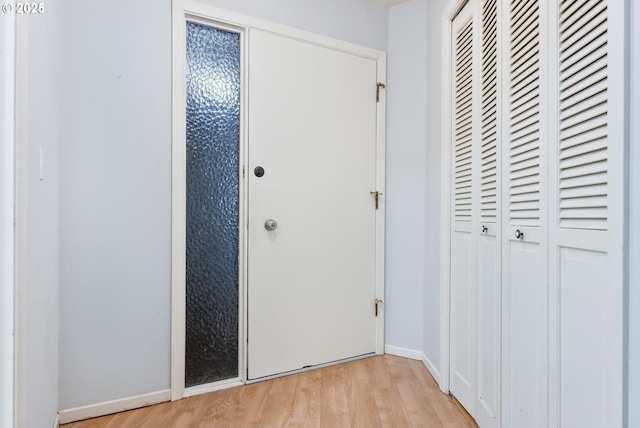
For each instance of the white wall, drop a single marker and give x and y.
(413, 181)
(115, 182)
(434, 186)
(634, 215)
(357, 21)
(38, 319)
(115, 200)
(406, 174)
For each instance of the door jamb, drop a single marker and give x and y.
(20, 213)
(9, 68)
(381, 132)
(220, 18)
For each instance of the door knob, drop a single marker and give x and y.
(485, 229)
(519, 235)
(271, 224)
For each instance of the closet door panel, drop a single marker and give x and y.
(463, 293)
(462, 324)
(528, 352)
(583, 329)
(489, 340)
(489, 330)
(587, 231)
(524, 263)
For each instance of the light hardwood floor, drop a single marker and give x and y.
(382, 391)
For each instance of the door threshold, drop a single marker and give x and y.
(309, 368)
(211, 387)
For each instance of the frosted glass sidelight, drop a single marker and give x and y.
(213, 135)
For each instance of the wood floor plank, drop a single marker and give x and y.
(189, 411)
(159, 417)
(90, 423)
(334, 391)
(131, 418)
(388, 401)
(379, 372)
(334, 398)
(279, 405)
(253, 399)
(357, 370)
(307, 400)
(382, 391)
(220, 408)
(390, 408)
(444, 406)
(416, 403)
(362, 404)
(305, 423)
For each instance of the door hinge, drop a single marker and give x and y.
(378, 86)
(242, 171)
(376, 303)
(376, 195)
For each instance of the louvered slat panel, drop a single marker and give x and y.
(488, 169)
(488, 163)
(524, 114)
(525, 184)
(593, 180)
(591, 146)
(578, 192)
(583, 96)
(462, 167)
(581, 170)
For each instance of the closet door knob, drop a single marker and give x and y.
(519, 235)
(485, 229)
(270, 225)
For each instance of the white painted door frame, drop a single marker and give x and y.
(7, 232)
(20, 213)
(183, 10)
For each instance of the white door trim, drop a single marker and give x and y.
(220, 18)
(450, 12)
(21, 215)
(7, 230)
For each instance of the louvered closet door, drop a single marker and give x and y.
(489, 233)
(586, 237)
(524, 261)
(464, 191)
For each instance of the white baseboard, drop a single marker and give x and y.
(403, 352)
(432, 369)
(56, 423)
(115, 406)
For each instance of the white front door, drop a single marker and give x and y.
(312, 166)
